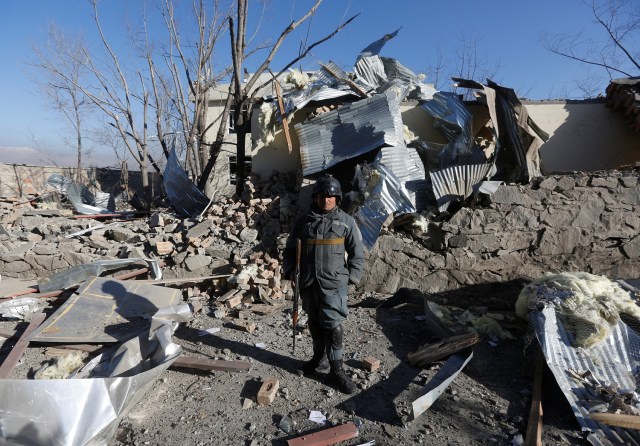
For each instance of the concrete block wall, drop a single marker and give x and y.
(570, 222)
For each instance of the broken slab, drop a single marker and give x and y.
(104, 311)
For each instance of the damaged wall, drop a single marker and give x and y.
(18, 180)
(581, 222)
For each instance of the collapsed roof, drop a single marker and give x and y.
(365, 134)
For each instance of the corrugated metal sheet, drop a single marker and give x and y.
(295, 100)
(519, 138)
(407, 167)
(386, 196)
(454, 120)
(612, 361)
(184, 196)
(457, 182)
(81, 197)
(349, 131)
(369, 67)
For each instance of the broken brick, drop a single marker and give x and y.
(267, 392)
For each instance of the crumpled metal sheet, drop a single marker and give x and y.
(456, 183)
(519, 137)
(297, 99)
(369, 67)
(385, 195)
(407, 168)
(105, 310)
(78, 274)
(86, 409)
(183, 195)
(81, 197)
(376, 71)
(613, 360)
(455, 121)
(440, 381)
(349, 131)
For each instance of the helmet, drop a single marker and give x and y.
(329, 186)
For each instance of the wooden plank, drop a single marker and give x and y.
(533, 436)
(617, 419)
(432, 352)
(285, 125)
(326, 437)
(18, 350)
(192, 362)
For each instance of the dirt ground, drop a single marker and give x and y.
(488, 403)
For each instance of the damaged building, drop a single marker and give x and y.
(464, 207)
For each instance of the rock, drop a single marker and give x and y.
(248, 235)
(631, 249)
(196, 262)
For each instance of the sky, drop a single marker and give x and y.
(507, 35)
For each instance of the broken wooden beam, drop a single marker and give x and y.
(617, 419)
(326, 437)
(18, 350)
(432, 352)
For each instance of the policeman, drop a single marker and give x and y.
(327, 234)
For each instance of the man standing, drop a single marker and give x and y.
(327, 234)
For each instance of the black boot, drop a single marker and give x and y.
(319, 363)
(339, 378)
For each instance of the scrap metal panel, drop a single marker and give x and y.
(351, 130)
(457, 182)
(105, 310)
(184, 196)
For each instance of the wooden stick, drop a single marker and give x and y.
(326, 437)
(18, 350)
(285, 125)
(432, 352)
(533, 435)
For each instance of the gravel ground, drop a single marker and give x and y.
(488, 403)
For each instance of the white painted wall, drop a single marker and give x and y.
(584, 136)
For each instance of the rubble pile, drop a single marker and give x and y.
(236, 238)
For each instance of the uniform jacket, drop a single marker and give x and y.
(322, 260)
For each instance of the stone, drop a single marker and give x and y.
(199, 230)
(565, 183)
(631, 249)
(589, 213)
(122, 235)
(248, 235)
(560, 241)
(629, 181)
(196, 262)
(511, 195)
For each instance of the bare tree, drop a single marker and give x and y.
(167, 89)
(468, 63)
(614, 53)
(63, 91)
(242, 94)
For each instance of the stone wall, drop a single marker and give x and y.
(574, 222)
